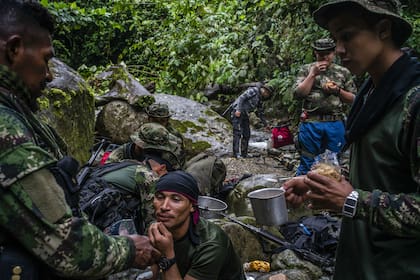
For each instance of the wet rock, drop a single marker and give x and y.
(287, 260)
(116, 83)
(118, 120)
(204, 130)
(246, 244)
(121, 100)
(237, 199)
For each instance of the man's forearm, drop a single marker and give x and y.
(305, 87)
(346, 96)
(65, 245)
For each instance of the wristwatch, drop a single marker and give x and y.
(165, 263)
(350, 204)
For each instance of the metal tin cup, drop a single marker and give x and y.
(210, 207)
(269, 206)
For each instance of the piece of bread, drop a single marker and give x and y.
(329, 84)
(327, 170)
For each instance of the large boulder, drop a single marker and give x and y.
(204, 130)
(121, 100)
(122, 103)
(68, 106)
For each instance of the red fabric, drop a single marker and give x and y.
(105, 157)
(281, 136)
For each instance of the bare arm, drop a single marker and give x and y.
(304, 88)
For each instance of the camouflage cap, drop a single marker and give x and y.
(154, 136)
(158, 110)
(387, 8)
(324, 44)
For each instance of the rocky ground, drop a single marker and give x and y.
(263, 164)
(262, 160)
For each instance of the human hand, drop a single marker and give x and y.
(318, 68)
(237, 114)
(162, 239)
(146, 254)
(330, 87)
(326, 193)
(296, 190)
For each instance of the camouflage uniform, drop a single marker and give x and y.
(319, 103)
(323, 113)
(125, 151)
(151, 137)
(33, 209)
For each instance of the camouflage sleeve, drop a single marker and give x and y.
(397, 214)
(33, 210)
(18, 155)
(69, 245)
(116, 155)
(349, 84)
(301, 76)
(146, 181)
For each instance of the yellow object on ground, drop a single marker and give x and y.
(260, 266)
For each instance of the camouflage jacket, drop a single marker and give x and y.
(319, 102)
(123, 152)
(249, 101)
(33, 210)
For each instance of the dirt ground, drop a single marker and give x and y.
(255, 165)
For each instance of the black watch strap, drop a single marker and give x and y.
(165, 263)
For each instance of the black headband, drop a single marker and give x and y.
(181, 182)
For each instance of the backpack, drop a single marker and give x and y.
(318, 234)
(281, 136)
(106, 203)
(209, 171)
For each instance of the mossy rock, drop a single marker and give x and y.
(69, 107)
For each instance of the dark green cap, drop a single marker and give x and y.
(386, 8)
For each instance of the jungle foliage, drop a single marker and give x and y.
(183, 46)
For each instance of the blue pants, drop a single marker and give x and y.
(315, 137)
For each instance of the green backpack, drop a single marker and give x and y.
(209, 171)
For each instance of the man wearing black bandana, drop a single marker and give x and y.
(380, 233)
(193, 248)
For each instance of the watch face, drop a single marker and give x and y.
(348, 209)
(351, 202)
